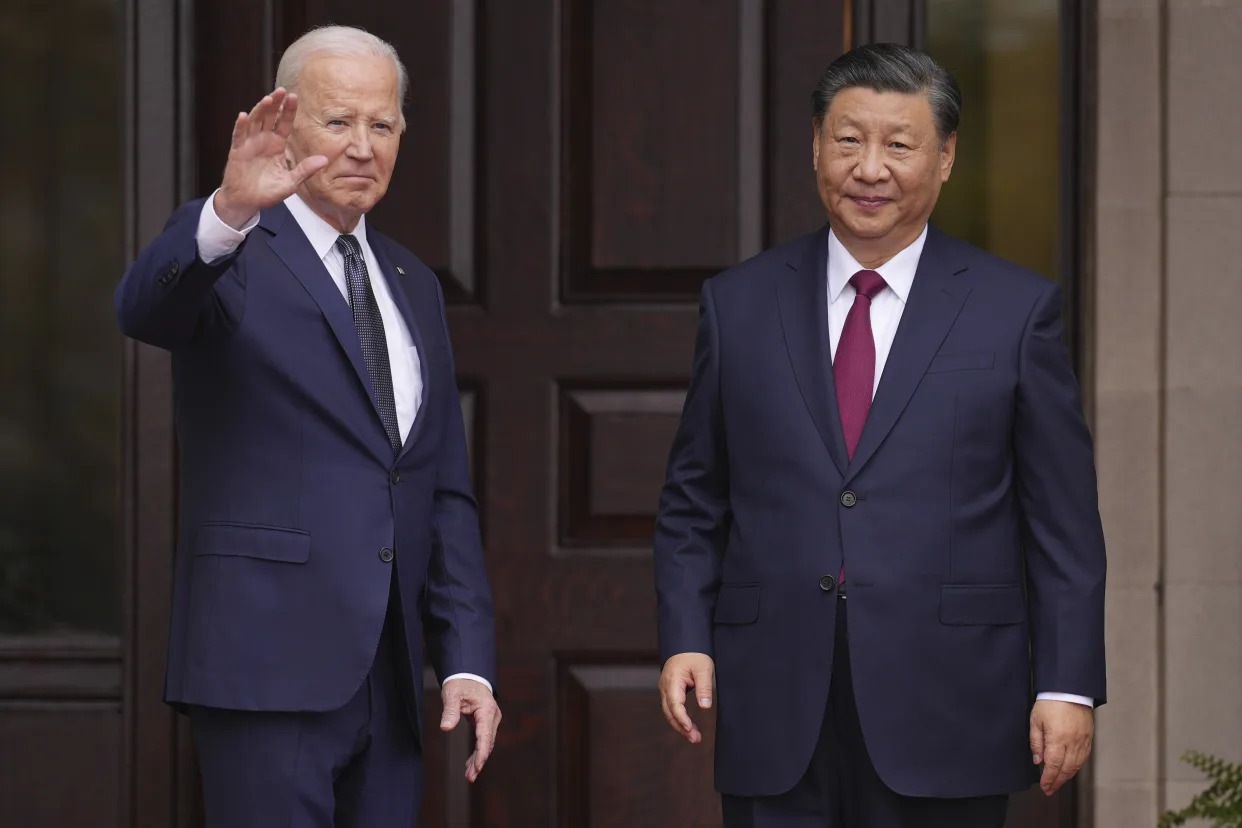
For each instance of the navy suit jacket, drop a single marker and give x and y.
(967, 523)
(290, 499)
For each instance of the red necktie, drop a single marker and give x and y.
(853, 368)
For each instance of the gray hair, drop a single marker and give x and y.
(339, 41)
(891, 67)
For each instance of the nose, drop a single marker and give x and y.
(360, 143)
(872, 166)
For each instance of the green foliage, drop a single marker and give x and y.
(1221, 802)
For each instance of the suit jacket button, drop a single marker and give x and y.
(386, 555)
(849, 499)
(827, 582)
(395, 477)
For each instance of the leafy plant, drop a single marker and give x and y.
(1221, 802)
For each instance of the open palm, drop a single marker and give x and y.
(257, 174)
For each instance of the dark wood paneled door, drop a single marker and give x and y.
(573, 170)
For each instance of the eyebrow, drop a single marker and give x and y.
(344, 112)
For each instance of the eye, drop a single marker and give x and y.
(336, 122)
(383, 126)
(849, 139)
(898, 145)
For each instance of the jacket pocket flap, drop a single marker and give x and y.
(737, 604)
(981, 604)
(248, 540)
(968, 361)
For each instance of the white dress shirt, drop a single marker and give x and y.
(886, 310)
(217, 240)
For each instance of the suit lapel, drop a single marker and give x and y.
(936, 298)
(379, 245)
(294, 249)
(802, 296)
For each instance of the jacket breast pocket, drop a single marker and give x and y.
(981, 604)
(737, 604)
(962, 361)
(250, 540)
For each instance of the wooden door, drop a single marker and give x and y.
(573, 170)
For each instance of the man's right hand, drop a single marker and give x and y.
(257, 174)
(682, 672)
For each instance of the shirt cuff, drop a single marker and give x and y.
(1066, 697)
(215, 238)
(472, 677)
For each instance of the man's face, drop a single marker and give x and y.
(879, 167)
(349, 111)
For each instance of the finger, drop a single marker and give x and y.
(695, 735)
(1037, 742)
(271, 112)
(239, 130)
(1073, 763)
(1054, 760)
(684, 724)
(681, 716)
(284, 123)
(265, 114)
(255, 120)
(677, 705)
(472, 768)
(485, 723)
(307, 168)
(668, 715)
(452, 712)
(703, 687)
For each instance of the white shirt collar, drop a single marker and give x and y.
(898, 272)
(321, 235)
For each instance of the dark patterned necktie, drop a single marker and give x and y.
(370, 326)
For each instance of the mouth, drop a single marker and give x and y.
(870, 203)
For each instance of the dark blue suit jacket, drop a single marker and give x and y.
(967, 523)
(289, 493)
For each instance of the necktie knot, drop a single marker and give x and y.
(349, 245)
(868, 283)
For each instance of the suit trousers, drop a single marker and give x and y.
(841, 788)
(359, 766)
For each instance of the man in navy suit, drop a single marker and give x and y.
(881, 411)
(327, 522)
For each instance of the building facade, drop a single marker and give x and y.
(572, 171)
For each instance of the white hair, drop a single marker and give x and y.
(339, 41)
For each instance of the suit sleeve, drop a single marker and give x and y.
(168, 297)
(457, 609)
(692, 520)
(1064, 539)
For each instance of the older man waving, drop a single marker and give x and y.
(327, 521)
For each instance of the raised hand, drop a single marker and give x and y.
(257, 174)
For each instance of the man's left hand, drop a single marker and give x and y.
(1061, 735)
(470, 698)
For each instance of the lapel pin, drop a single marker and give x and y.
(399, 270)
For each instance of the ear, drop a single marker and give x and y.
(817, 124)
(948, 154)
